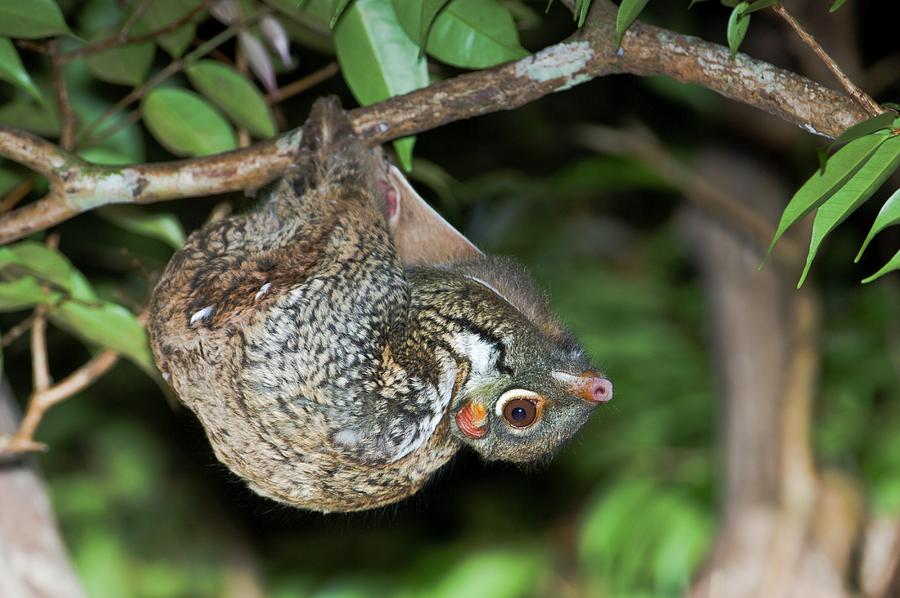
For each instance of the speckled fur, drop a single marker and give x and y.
(324, 371)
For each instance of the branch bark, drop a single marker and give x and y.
(77, 186)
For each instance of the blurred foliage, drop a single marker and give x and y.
(626, 510)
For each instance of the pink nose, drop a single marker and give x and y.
(600, 390)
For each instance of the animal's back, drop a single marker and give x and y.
(274, 327)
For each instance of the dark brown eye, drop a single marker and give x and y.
(520, 413)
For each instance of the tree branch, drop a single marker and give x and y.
(859, 95)
(77, 186)
(122, 37)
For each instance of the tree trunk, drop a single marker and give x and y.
(33, 559)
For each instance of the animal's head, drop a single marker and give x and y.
(529, 386)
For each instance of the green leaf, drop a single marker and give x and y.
(510, 573)
(860, 129)
(889, 215)
(234, 94)
(108, 325)
(23, 293)
(49, 265)
(759, 5)
(628, 12)
(185, 123)
(162, 13)
(41, 119)
(466, 33)
(31, 18)
(820, 186)
(339, 7)
(851, 195)
(581, 11)
(106, 156)
(12, 71)
(404, 148)
(123, 65)
(837, 4)
(162, 226)
(377, 58)
(738, 23)
(429, 13)
(893, 264)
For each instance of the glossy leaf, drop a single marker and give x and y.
(124, 65)
(162, 13)
(378, 59)
(893, 264)
(851, 195)
(841, 167)
(837, 4)
(30, 19)
(465, 33)
(860, 129)
(23, 293)
(237, 97)
(48, 265)
(628, 12)
(339, 7)
(12, 70)
(430, 9)
(738, 23)
(185, 123)
(889, 215)
(108, 325)
(162, 226)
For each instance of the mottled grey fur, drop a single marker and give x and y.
(325, 372)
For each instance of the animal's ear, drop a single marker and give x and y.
(421, 236)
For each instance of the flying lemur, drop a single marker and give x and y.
(341, 342)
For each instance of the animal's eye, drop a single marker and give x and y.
(520, 413)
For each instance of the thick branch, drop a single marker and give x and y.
(77, 187)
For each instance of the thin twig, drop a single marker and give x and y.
(40, 369)
(45, 396)
(139, 92)
(300, 85)
(127, 120)
(133, 18)
(80, 378)
(16, 331)
(66, 115)
(15, 195)
(28, 44)
(855, 92)
(240, 64)
(123, 39)
(40, 401)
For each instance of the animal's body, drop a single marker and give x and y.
(332, 374)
